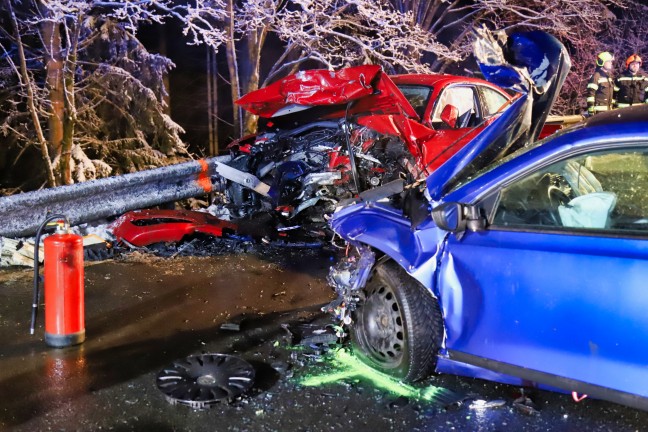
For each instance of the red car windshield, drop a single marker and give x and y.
(417, 95)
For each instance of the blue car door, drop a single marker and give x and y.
(555, 289)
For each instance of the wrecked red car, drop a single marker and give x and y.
(325, 136)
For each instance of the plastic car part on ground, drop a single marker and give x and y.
(203, 380)
(311, 334)
(145, 227)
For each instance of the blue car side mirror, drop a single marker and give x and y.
(457, 217)
(449, 217)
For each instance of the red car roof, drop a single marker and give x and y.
(436, 79)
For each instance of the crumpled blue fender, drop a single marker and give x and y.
(389, 231)
(535, 63)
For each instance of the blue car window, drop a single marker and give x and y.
(605, 190)
(471, 174)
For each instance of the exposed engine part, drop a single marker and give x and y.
(246, 179)
(325, 178)
(302, 174)
(347, 278)
(350, 274)
(201, 381)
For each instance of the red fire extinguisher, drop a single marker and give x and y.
(64, 288)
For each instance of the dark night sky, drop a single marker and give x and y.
(188, 84)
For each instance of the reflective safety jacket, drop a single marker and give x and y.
(632, 89)
(600, 92)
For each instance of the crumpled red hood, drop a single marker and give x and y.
(368, 86)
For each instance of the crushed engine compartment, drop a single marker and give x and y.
(309, 171)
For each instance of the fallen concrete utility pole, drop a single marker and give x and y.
(21, 214)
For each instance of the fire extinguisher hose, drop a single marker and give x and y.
(36, 293)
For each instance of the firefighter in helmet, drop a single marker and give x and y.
(600, 89)
(632, 84)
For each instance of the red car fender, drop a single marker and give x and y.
(145, 227)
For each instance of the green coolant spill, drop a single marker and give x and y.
(349, 367)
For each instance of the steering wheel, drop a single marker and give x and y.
(541, 205)
(557, 196)
(536, 201)
(558, 192)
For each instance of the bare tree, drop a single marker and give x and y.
(580, 24)
(420, 36)
(628, 34)
(453, 20)
(326, 33)
(98, 92)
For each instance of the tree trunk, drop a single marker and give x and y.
(212, 101)
(54, 70)
(232, 64)
(255, 45)
(27, 83)
(69, 120)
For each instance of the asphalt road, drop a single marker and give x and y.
(144, 312)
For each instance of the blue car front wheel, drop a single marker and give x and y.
(397, 327)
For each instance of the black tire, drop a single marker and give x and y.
(398, 327)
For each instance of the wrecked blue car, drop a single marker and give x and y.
(516, 261)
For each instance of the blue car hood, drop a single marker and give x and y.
(535, 64)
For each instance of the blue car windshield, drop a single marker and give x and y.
(470, 176)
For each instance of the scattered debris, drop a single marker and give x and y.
(312, 334)
(399, 402)
(281, 366)
(480, 404)
(20, 252)
(324, 338)
(96, 248)
(525, 405)
(232, 325)
(15, 252)
(578, 398)
(201, 381)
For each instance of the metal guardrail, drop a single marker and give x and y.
(21, 214)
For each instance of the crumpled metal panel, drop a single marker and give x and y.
(324, 87)
(21, 214)
(534, 63)
(386, 229)
(420, 251)
(145, 227)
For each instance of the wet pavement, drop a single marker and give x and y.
(144, 312)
